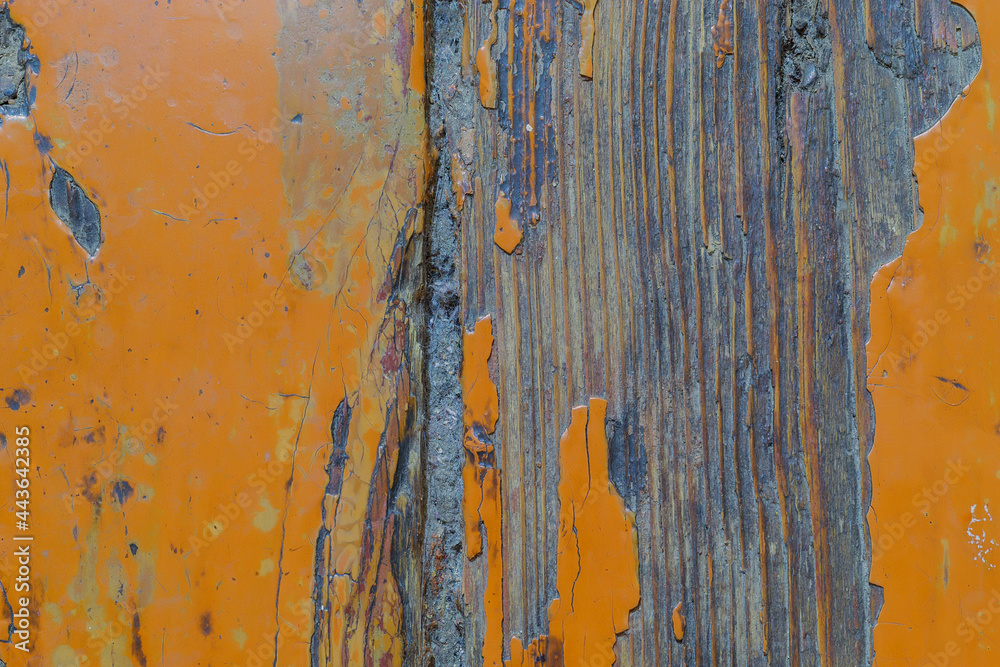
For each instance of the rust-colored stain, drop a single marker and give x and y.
(507, 234)
(934, 375)
(597, 567)
(486, 65)
(722, 34)
(200, 261)
(679, 622)
(481, 500)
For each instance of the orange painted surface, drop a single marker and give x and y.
(588, 31)
(486, 65)
(597, 565)
(507, 234)
(258, 167)
(722, 34)
(481, 478)
(934, 375)
(679, 622)
(491, 513)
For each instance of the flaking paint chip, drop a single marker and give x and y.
(508, 232)
(72, 205)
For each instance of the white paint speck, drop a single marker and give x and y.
(979, 523)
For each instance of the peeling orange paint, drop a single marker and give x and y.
(722, 35)
(588, 30)
(486, 65)
(508, 232)
(934, 376)
(181, 380)
(481, 502)
(679, 622)
(597, 576)
(597, 565)
(491, 513)
(480, 399)
(418, 79)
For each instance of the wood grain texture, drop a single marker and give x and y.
(691, 199)
(700, 231)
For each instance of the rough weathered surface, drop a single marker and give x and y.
(249, 435)
(209, 261)
(701, 223)
(16, 61)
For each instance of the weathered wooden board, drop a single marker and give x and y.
(701, 223)
(597, 395)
